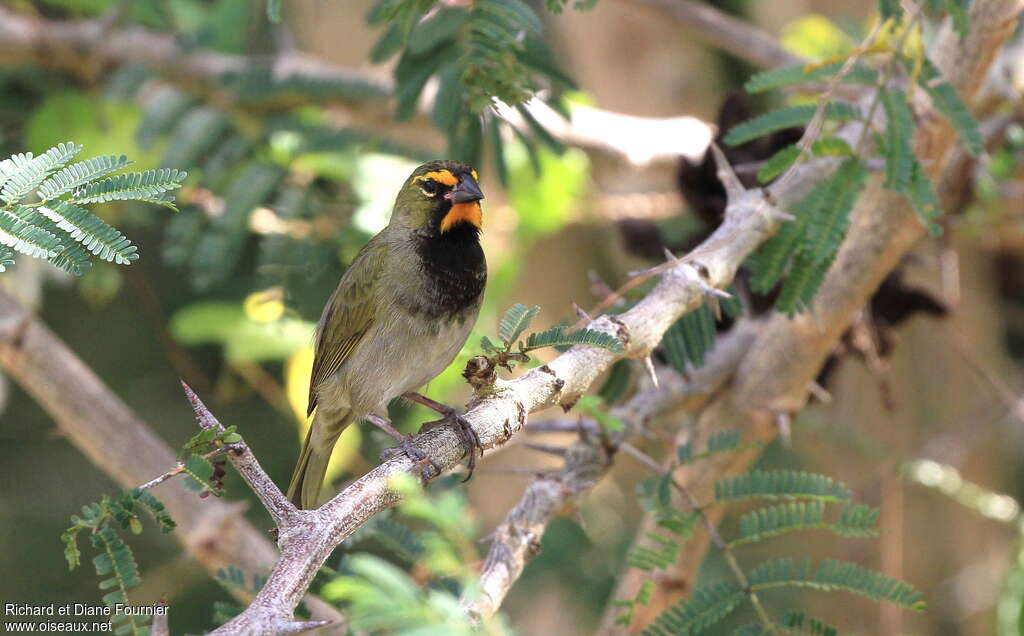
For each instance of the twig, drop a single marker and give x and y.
(516, 540)
(726, 32)
(308, 537)
(712, 530)
(180, 468)
(114, 439)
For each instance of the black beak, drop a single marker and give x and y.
(466, 190)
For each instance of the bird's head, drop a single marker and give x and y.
(440, 197)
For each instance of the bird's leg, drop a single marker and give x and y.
(404, 443)
(470, 440)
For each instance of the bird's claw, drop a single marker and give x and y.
(467, 435)
(406, 446)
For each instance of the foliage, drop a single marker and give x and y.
(800, 254)
(488, 53)
(809, 499)
(691, 337)
(435, 534)
(114, 562)
(516, 321)
(54, 227)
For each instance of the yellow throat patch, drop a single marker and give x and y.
(468, 212)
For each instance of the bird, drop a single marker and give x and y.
(400, 314)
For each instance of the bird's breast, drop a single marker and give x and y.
(452, 274)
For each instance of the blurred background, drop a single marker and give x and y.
(283, 191)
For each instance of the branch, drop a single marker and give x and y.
(309, 537)
(517, 539)
(115, 440)
(776, 372)
(719, 29)
(89, 46)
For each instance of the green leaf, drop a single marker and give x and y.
(830, 214)
(833, 575)
(6, 258)
(150, 186)
(156, 508)
(769, 262)
(442, 25)
(780, 519)
(803, 281)
(71, 552)
(515, 321)
(857, 521)
(22, 236)
(796, 619)
(497, 145)
(947, 100)
(957, 11)
(787, 118)
(559, 336)
(706, 606)
(26, 172)
(79, 174)
(688, 340)
(890, 9)
(807, 74)
(539, 131)
(718, 442)
(831, 147)
(195, 136)
(615, 385)
(92, 232)
(780, 484)
(592, 406)
(778, 163)
(198, 471)
(899, 155)
(924, 199)
(662, 556)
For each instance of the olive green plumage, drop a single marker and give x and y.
(401, 312)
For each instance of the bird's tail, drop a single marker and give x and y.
(308, 478)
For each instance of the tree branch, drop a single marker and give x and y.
(116, 441)
(776, 372)
(308, 538)
(89, 47)
(517, 539)
(719, 29)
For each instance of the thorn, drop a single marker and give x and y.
(550, 449)
(782, 216)
(298, 627)
(733, 187)
(203, 414)
(582, 315)
(819, 392)
(785, 425)
(669, 256)
(649, 367)
(708, 290)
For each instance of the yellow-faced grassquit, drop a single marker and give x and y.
(401, 312)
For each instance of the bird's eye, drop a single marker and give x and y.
(429, 187)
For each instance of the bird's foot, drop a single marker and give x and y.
(469, 438)
(405, 445)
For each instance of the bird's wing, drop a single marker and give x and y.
(348, 316)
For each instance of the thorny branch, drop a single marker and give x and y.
(307, 537)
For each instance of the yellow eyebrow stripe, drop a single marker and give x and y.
(441, 176)
(473, 172)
